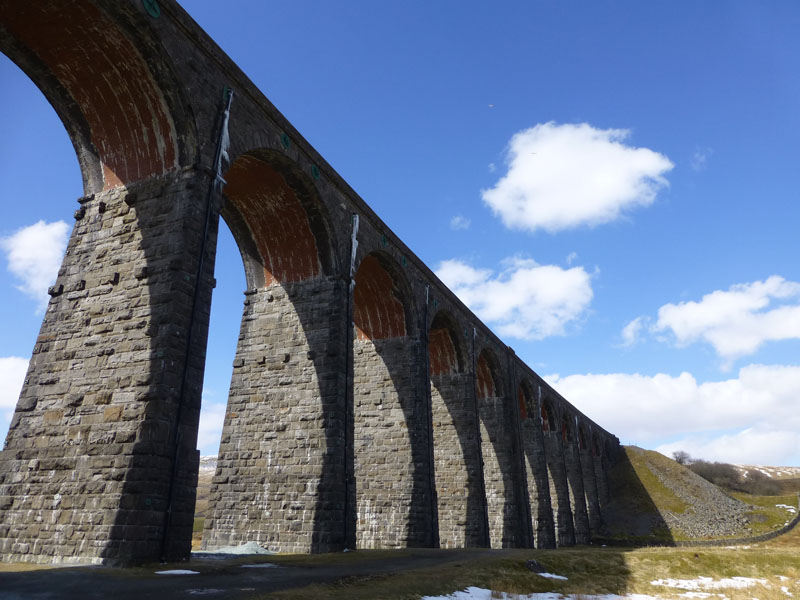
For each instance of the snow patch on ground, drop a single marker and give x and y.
(178, 572)
(248, 548)
(551, 576)
(791, 509)
(707, 583)
(474, 593)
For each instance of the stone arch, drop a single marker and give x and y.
(446, 346)
(278, 220)
(456, 446)
(499, 462)
(392, 485)
(548, 416)
(382, 302)
(113, 86)
(110, 81)
(277, 476)
(572, 462)
(535, 466)
(589, 479)
(552, 426)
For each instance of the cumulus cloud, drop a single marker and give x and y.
(632, 332)
(460, 222)
(12, 376)
(752, 418)
(565, 176)
(34, 254)
(737, 321)
(524, 300)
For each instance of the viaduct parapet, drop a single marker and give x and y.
(369, 408)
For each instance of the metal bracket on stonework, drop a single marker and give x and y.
(55, 290)
(101, 207)
(130, 198)
(80, 213)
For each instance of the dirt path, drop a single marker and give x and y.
(219, 578)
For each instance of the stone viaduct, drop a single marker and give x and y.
(368, 406)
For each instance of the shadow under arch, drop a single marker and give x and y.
(496, 424)
(456, 445)
(280, 471)
(109, 79)
(536, 467)
(391, 484)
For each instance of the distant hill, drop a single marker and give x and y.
(788, 478)
(208, 464)
(659, 500)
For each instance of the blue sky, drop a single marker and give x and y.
(609, 185)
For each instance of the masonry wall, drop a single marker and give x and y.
(280, 474)
(590, 487)
(390, 448)
(538, 482)
(457, 448)
(88, 461)
(559, 489)
(505, 527)
(577, 493)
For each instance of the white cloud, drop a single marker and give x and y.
(212, 417)
(12, 376)
(571, 258)
(751, 419)
(737, 321)
(34, 255)
(757, 445)
(700, 158)
(525, 300)
(460, 222)
(632, 332)
(565, 176)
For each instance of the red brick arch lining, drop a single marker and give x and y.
(277, 221)
(442, 352)
(524, 398)
(100, 68)
(548, 422)
(487, 385)
(378, 312)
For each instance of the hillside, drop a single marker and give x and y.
(662, 501)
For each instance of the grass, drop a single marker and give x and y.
(767, 516)
(589, 571)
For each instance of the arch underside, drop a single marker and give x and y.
(100, 84)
